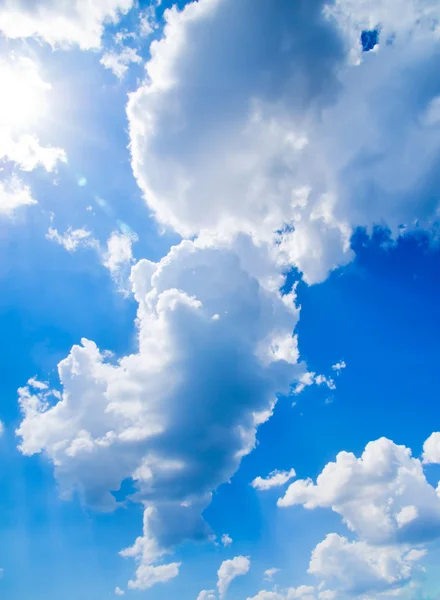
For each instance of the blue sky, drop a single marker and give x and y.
(219, 241)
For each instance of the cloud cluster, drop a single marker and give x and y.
(215, 348)
(386, 500)
(61, 22)
(294, 139)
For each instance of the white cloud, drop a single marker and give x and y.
(72, 239)
(339, 365)
(24, 105)
(119, 592)
(61, 22)
(118, 61)
(282, 151)
(206, 595)
(431, 449)
(303, 592)
(229, 570)
(270, 573)
(119, 257)
(275, 479)
(383, 496)
(14, 194)
(140, 416)
(2, 428)
(226, 540)
(357, 568)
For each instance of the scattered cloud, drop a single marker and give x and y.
(229, 570)
(207, 595)
(14, 194)
(118, 61)
(339, 365)
(226, 540)
(431, 449)
(72, 239)
(119, 592)
(275, 479)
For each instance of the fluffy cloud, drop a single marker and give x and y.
(206, 595)
(309, 144)
(13, 195)
(357, 568)
(61, 22)
(383, 496)
(229, 570)
(178, 415)
(118, 61)
(119, 592)
(275, 479)
(2, 428)
(226, 540)
(303, 592)
(431, 449)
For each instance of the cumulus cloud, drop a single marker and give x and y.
(383, 496)
(178, 414)
(431, 449)
(357, 568)
(226, 540)
(275, 479)
(207, 595)
(280, 159)
(119, 592)
(303, 592)
(229, 570)
(14, 194)
(2, 428)
(119, 61)
(61, 22)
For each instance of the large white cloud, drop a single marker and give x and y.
(383, 496)
(215, 348)
(356, 568)
(61, 22)
(254, 118)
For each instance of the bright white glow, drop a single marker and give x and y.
(22, 101)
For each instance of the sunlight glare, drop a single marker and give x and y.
(22, 95)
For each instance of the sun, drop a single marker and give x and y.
(23, 95)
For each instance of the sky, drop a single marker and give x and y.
(219, 231)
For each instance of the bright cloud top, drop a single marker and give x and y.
(280, 159)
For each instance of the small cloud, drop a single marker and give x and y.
(339, 365)
(72, 239)
(270, 573)
(226, 540)
(119, 592)
(275, 479)
(2, 430)
(118, 62)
